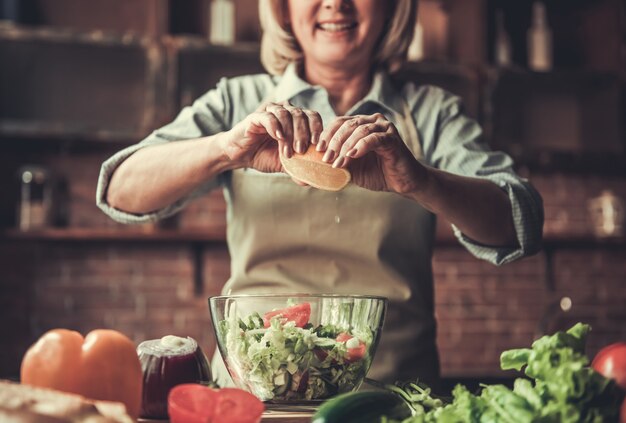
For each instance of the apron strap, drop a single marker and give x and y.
(408, 130)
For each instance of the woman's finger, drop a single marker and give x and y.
(286, 122)
(347, 128)
(366, 145)
(347, 149)
(316, 126)
(301, 131)
(329, 131)
(265, 122)
(362, 147)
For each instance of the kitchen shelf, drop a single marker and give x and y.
(247, 48)
(51, 133)
(579, 163)
(217, 235)
(206, 235)
(563, 75)
(196, 237)
(552, 242)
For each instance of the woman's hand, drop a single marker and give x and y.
(372, 149)
(256, 141)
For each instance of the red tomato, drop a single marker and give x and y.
(237, 406)
(194, 403)
(611, 363)
(191, 403)
(299, 313)
(353, 354)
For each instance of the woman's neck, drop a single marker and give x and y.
(345, 88)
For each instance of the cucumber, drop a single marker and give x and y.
(362, 407)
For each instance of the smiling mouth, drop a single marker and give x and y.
(336, 27)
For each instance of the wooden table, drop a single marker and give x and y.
(268, 417)
(286, 417)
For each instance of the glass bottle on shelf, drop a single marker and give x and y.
(607, 215)
(503, 53)
(34, 209)
(222, 25)
(416, 48)
(539, 40)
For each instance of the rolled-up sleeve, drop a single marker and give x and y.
(207, 116)
(461, 149)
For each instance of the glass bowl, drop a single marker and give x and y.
(297, 349)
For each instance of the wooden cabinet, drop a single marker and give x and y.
(575, 113)
(570, 117)
(61, 84)
(142, 17)
(587, 34)
(149, 18)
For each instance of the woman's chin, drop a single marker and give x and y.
(334, 59)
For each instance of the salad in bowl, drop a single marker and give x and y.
(297, 348)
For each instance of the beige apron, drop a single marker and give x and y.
(284, 238)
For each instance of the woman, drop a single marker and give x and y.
(412, 153)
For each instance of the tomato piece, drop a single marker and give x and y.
(194, 403)
(611, 363)
(299, 313)
(191, 403)
(237, 406)
(355, 353)
(343, 337)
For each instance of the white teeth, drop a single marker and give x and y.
(333, 27)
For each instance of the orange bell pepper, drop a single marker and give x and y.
(102, 366)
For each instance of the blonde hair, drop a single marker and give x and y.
(279, 46)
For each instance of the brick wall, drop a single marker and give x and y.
(145, 289)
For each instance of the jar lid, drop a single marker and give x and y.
(33, 174)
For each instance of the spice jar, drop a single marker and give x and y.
(34, 209)
(607, 215)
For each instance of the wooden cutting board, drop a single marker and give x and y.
(286, 417)
(268, 417)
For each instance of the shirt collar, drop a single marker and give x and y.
(382, 92)
(290, 84)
